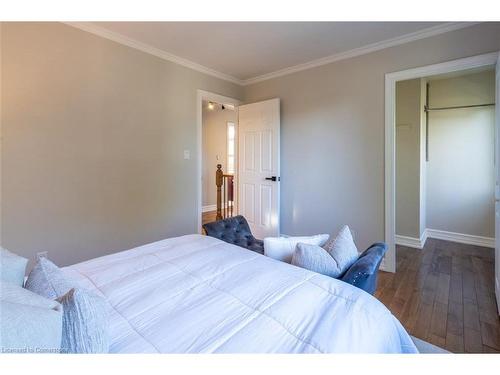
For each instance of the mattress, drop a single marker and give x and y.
(197, 294)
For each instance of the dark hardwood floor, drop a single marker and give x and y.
(445, 294)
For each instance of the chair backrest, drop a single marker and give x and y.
(233, 230)
(363, 273)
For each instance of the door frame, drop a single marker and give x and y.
(489, 59)
(202, 95)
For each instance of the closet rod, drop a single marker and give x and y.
(427, 109)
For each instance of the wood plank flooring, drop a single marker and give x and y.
(445, 294)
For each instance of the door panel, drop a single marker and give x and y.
(259, 132)
(249, 151)
(248, 199)
(267, 152)
(266, 198)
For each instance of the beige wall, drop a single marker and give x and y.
(332, 132)
(214, 148)
(409, 107)
(460, 170)
(93, 134)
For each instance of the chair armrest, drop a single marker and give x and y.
(363, 273)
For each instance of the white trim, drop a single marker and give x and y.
(122, 39)
(209, 208)
(213, 207)
(408, 241)
(417, 243)
(468, 239)
(133, 43)
(488, 59)
(200, 96)
(417, 35)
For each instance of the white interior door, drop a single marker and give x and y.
(259, 166)
(497, 187)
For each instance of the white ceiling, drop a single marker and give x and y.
(249, 50)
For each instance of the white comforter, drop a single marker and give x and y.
(197, 294)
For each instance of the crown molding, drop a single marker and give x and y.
(122, 39)
(119, 38)
(421, 34)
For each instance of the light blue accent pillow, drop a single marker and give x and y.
(12, 267)
(85, 322)
(29, 323)
(315, 258)
(333, 259)
(342, 249)
(48, 280)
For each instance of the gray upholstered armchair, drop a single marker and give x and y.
(235, 230)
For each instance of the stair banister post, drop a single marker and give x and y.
(219, 176)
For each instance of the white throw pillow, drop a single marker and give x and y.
(282, 248)
(343, 250)
(12, 267)
(28, 322)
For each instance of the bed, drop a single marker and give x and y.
(197, 294)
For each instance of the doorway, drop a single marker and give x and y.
(391, 79)
(441, 197)
(217, 157)
(445, 170)
(255, 158)
(218, 161)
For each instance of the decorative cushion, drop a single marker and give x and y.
(315, 258)
(342, 249)
(12, 267)
(29, 329)
(15, 294)
(282, 248)
(29, 323)
(48, 280)
(84, 322)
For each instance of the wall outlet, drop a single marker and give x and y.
(42, 254)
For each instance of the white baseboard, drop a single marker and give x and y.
(417, 243)
(209, 208)
(468, 239)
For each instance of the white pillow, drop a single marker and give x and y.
(282, 248)
(12, 267)
(343, 250)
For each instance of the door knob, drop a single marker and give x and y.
(273, 178)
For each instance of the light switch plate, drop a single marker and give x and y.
(187, 155)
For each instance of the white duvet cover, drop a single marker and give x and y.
(197, 294)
